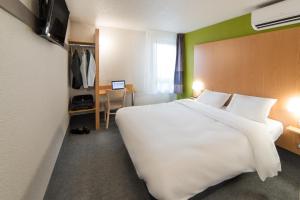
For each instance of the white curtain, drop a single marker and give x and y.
(160, 66)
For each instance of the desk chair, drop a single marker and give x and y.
(115, 99)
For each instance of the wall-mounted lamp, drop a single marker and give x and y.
(293, 106)
(197, 87)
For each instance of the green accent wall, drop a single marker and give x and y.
(236, 27)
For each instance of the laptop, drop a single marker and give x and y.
(118, 85)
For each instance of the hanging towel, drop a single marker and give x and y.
(83, 69)
(75, 68)
(91, 71)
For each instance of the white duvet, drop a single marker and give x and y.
(181, 148)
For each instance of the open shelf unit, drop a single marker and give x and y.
(96, 109)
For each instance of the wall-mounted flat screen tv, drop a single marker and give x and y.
(53, 20)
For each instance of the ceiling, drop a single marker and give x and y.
(167, 15)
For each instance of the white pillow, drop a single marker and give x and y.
(254, 108)
(215, 99)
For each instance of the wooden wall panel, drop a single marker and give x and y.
(266, 65)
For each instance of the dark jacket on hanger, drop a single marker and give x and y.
(75, 67)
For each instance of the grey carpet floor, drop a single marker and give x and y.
(97, 167)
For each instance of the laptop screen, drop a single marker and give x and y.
(118, 85)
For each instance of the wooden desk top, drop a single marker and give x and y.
(103, 88)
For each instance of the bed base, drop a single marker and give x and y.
(203, 194)
(199, 196)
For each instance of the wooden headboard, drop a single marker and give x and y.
(266, 65)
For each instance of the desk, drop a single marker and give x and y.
(102, 92)
(129, 90)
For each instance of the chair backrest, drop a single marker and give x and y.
(116, 96)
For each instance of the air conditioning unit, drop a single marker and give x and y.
(278, 14)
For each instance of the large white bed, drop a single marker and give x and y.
(183, 147)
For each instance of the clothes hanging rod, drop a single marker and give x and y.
(82, 45)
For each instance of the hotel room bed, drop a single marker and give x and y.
(183, 147)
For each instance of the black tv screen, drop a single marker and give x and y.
(53, 16)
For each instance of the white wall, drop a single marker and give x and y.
(82, 32)
(33, 109)
(123, 56)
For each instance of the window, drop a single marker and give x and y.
(160, 62)
(165, 64)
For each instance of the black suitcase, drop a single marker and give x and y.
(82, 102)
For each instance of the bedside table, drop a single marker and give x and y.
(295, 130)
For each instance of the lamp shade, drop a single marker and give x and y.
(293, 106)
(197, 87)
